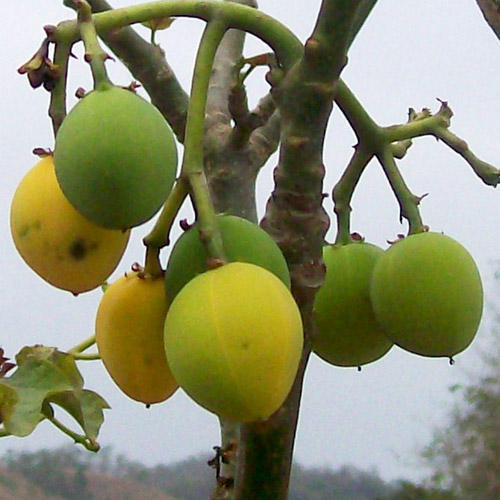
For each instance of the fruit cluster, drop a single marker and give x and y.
(424, 294)
(231, 336)
(113, 167)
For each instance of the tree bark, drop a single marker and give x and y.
(491, 13)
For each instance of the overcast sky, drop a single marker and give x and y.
(408, 54)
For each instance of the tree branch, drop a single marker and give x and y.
(228, 54)
(364, 10)
(297, 221)
(491, 13)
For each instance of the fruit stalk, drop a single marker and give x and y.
(57, 107)
(94, 54)
(408, 202)
(343, 191)
(160, 234)
(192, 165)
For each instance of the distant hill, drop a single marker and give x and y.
(16, 486)
(70, 473)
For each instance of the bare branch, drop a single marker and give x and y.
(491, 12)
(223, 74)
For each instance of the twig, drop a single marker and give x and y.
(85, 441)
(82, 346)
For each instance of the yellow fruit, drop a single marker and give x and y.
(129, 334)
(347, 332)
(115, 158)
(427, 294)
(233, 338)
(57, 242)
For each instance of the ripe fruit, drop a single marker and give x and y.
(115, 158)
(233, 338)
(129, 334)
(347, 332)
(57, 242)
(427, 294)
(243, 242)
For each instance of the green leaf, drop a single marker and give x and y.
(85, 406)
(45, 375)
(22, 395)
(60, 360)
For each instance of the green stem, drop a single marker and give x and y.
(489, 174)
(416, 128)
(363, 125)
(94, 54)
(57, 107)
(408, 202)
(86, 357)
(343, 191)
(192, 165)
(88, 443)
(82, 346)
(152, 264)
(286, 45)
(159, 235)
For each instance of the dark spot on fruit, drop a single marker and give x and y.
(23, 231)
(78, 249)
(27, 228)
(245, 345)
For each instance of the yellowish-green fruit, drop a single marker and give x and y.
(115, 158)
(129, 334)
(233, 338)
(347, 332)
(58, 243)
(427, 294)
(243, 242)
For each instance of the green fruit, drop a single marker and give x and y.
(55, 240)
(233, 338)
(347, 332)
(115, 158)
(129, 335)
(427, 294)
(243, 242)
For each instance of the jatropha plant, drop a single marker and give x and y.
(235, 314)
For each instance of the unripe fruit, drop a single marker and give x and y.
(129, 335)
(427, 294)
(347, 332)
(233, 338)
(243, 242)
(58, 243)
(115, 158)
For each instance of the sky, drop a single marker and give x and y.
(408, 54)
